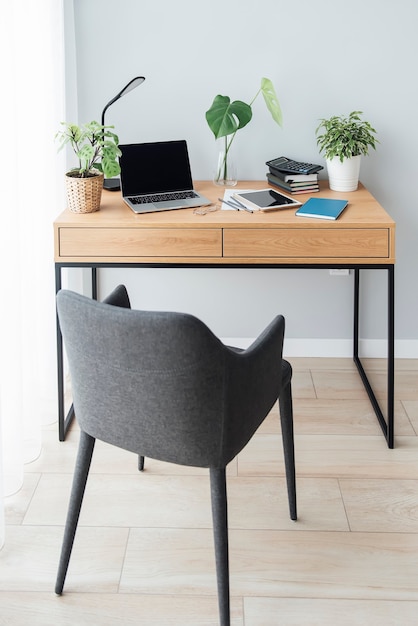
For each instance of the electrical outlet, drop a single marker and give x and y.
(339, 272)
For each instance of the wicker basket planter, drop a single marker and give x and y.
(84, 194)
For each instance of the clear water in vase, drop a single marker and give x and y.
(225, 174)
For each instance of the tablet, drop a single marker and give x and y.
(266, 200)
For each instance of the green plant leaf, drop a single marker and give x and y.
(110, 135)
(110, 149)
(271, 100)
(225, 117)
(74, 132)
(110, 167)
(86, 153)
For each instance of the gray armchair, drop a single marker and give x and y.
(164, 386)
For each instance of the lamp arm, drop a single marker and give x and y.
(107, 106)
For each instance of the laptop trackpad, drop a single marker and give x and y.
(172, 204)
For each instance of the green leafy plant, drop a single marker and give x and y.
(225, 118)
(95, 146)
(345, 137)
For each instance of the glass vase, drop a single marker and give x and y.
(225, 174)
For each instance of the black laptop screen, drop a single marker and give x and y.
(154, 167)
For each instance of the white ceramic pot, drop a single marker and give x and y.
(343, 176)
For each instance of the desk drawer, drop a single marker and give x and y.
(139, 243)
(301, 243)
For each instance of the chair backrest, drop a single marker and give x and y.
(160, 384)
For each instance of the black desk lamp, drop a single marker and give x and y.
(113, 184)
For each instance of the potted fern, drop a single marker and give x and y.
(343, 140)
(96, 148)
(225, 118)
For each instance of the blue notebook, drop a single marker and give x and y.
(323, 208)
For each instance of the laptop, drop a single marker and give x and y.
(157, 177)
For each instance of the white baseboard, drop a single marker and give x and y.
(338, 348)
(406, 349)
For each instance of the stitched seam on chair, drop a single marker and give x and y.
(181, 370)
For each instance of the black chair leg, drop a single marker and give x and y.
(220, 533)
(286, 419)
(85, 452)
(141, 462)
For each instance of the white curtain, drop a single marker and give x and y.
(31, 196)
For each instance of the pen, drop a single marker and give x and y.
(242, 205)
(234, 206)
(229, 204)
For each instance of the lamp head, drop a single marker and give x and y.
(135, 82)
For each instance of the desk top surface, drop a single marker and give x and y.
(362, 211)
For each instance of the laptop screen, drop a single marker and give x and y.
(154, 167)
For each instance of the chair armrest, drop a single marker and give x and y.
(254, 381)
(118, 297)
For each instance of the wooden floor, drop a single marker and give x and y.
(143, 553)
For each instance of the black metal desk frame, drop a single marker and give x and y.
(386, 423)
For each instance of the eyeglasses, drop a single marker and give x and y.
(202, 210)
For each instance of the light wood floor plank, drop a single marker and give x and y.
(112, 609)
(301, 611)
(381, 505)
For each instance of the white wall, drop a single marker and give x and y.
(325, 57)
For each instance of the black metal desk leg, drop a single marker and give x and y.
(60, 364)
(63, 422)
(356, 312)
(386, 424)
(391, 356)
(94, 283)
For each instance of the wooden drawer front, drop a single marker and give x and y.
(306, 243)
(147, 242)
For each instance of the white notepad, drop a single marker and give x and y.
(266, 200)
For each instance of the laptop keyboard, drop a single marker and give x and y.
(175, 195)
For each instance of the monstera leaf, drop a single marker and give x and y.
(226, 118)
(271, 100)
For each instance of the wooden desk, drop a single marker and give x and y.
(362, 238)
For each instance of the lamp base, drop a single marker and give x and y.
(111, 184)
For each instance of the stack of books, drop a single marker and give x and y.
(293, 183)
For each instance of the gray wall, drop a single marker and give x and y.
(325, 57)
